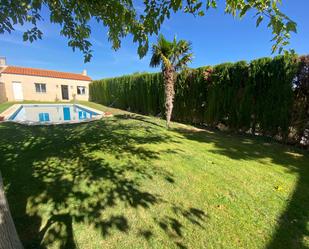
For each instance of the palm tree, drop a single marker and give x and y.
(172, 56)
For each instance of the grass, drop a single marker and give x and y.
(4, 106)
(127, 182)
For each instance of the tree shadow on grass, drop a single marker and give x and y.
(59, 176)
(143, 119)
(173, 228)
(77, 172)
(292, 228)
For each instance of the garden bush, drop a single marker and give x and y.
(268, 96)
(142, 93)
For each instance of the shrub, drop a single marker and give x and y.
(300, 112)
(267, 95)
(142, 93)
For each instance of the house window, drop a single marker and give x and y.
(81, 90)
(40, 88)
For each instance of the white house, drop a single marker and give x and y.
(21, 83)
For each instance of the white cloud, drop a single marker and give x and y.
(98, 43)
(12, 39)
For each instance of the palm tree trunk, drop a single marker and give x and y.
(169, 81)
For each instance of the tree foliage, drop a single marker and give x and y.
(123, 18)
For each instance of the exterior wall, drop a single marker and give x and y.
(2, 93)
(53, 87)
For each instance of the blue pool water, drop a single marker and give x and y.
(54, 113)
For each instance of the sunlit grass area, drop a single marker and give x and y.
(127, 182)
(4, 106)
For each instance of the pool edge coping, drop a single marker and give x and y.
(12, 109)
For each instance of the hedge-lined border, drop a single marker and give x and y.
(256, 96)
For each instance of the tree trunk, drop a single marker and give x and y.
(169, 81)
(8, 236)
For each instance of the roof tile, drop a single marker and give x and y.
(44, 73)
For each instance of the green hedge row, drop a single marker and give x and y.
(142, 93)
(257, 95)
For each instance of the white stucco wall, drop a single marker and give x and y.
(53, 87)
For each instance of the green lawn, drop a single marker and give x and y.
(127, 182)
(5, 105)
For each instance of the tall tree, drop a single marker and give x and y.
(172, 56)
(9, 238)
(123, 17)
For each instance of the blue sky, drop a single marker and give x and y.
(216, 38)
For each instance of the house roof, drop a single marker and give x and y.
(44, 73)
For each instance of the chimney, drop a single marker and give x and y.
(2, 61)
(84, 72)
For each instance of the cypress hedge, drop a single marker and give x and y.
(141, 93)
(256, 95)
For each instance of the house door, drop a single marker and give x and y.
(18, 91)
(65, 92)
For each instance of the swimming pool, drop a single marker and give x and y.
(53, 114)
